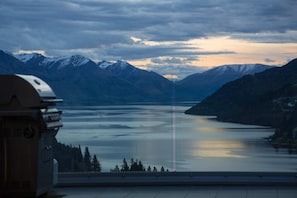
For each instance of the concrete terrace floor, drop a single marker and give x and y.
(177, 192)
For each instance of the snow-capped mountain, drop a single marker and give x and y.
(200, 85)
(104, 64)
(80, 81)
(35, 59)
(32, 60)
(27, 57)
(124, 65)
(117, 82)
(241, 69)
(147, 81)
(118, 65)
(64, 61)
(123, 69)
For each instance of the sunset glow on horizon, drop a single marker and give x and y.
(170, 37)
(245, 52)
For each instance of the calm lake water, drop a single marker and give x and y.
(165, 136)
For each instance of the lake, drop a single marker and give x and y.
(161, 135)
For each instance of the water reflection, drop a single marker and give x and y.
(218, 148)
(204, 119)
(209, 129)
(145, 132)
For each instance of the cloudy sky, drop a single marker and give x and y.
(162, 34)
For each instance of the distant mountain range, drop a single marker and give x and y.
(266, 98)
(148, 82)
(200, 85)
(81, 81)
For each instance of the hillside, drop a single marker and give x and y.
(200, 85)
(266, 98)
(80, 81)
(148, 82)
(9, 64)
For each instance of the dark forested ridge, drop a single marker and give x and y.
(258, 99)
(266, 98)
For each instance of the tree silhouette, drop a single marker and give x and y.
(136, 165)
(87, 159)
(95, 164)
(140, 166)
(125, 166)
(116, 169)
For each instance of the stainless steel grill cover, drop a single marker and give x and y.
(29, 122)
(30, 91)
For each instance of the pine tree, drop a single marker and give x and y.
(140, 166)
(125, 166)
(87, 159)
(80, 155)
(116, 169)
(95, 165)
(133, 166)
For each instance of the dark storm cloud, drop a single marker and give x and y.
(168, 61)
(140, 51)
(174, 66)
(269, 37)
(108, 25)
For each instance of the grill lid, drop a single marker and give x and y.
(29, 91)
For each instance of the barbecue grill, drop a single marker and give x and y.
(29, 122)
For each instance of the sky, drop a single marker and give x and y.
(169, 36)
